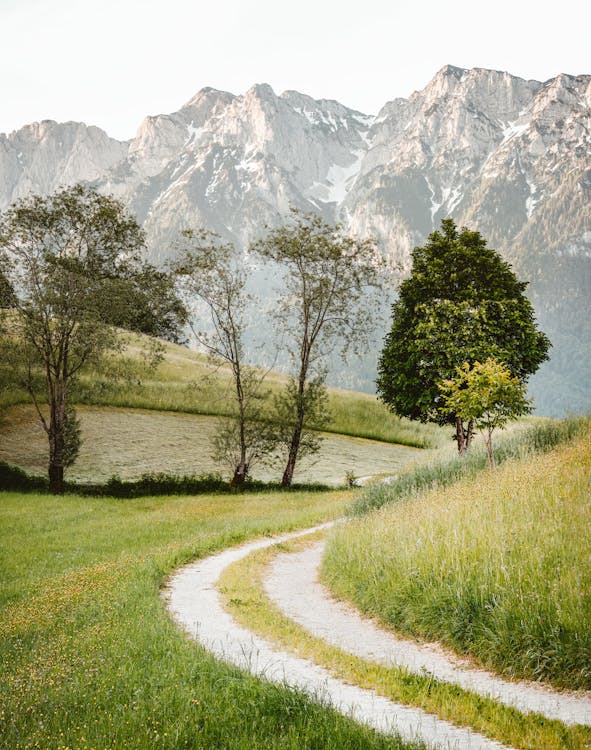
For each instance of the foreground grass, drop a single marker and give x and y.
(244, 596)
(496, 566)
(90, 658)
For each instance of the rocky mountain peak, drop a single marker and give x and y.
(261, 91)
(508, 156)
(40, 157)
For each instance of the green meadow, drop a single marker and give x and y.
(91, 659)
(185, 382)
(495, 566)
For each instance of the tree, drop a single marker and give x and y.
(148, 302)
(74, 261)
(212, 275)
(323, 304)
(7, 298)
(486, 394)
(461, 303)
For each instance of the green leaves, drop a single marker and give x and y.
(326, 278)
(74, 262)
(461, 303)
(485, 394)
(325, 303)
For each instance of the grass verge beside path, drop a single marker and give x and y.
(244, 596)
(496, 566)
(90, 658)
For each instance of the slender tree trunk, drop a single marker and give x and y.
(240, 474)
(489, 450)
(241, 470)
(56, 458)
(460, 436)
(296, 436)
(292, 456)
(469, 433)
(56, 479)
(56, 434)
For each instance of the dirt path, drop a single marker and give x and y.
(293, 585)
(195, 604)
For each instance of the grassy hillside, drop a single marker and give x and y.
(496, 566)
(89, 656)
(184, 382)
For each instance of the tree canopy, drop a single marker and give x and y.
(323, 305)
(486, 394)
(74, 261)
(461, 303)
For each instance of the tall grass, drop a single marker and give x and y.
(89, 656)
(540, 436)
(243, 593)
(496, 565)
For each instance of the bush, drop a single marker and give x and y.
(15, 479)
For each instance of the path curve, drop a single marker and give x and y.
(292, 583)
(194, 602)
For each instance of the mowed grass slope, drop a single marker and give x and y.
(89, 656)
(129, 443)
(186, 382)
(497, 566)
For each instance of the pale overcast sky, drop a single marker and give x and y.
(111, 62)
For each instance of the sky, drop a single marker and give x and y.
(112, 62)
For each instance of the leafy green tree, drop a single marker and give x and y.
(7, 297)
(74, 260)
(213, 281)
(148, 302)
(487, 395)
(323, 304)
(461, 303)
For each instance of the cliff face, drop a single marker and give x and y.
(509, 157)
(40, 157)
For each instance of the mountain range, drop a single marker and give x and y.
(503, 155)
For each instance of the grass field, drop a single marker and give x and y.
(496, 566)
(129, 443)
(184, 382)
(89, 657)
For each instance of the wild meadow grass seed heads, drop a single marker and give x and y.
(496, 577)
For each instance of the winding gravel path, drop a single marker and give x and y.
(293, 585)
(195, 604)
